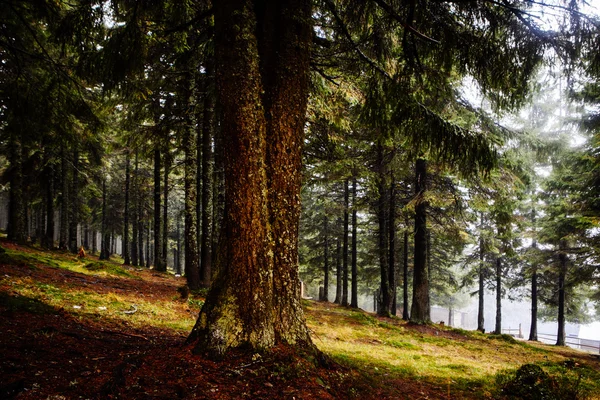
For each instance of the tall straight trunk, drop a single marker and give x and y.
(534, 290)
(405, 314)
(262, 63)
(481, 291)
(325, 260)
(135, 213)
(354, 299)
(64, 202)
(420, 311)
(94, 241)
(86, 236)
(178, 253)
(148, 253)
(338, 272)
(562, 273)
(191, 267)
(105, 245)
(382, 210)
(142, 226)
(125, 240)
(345, 248)
(392, 246)
(17, 219)
(74, 203)
(49, 234)
(157, 236)
(165, 209)
(498, 328)
(207, 134)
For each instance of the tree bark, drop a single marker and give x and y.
(125, 241)
(345, 246)
(405, 314)
(17, 220)
(262, 63)
(64, 201)
(49, 234)
(354, 297)
(165, 209)
(481, 289)
(191, 267)
(157, 231)
(135, 213)
(420, 311)
(534, 291)
(74, 203)
(498, 328)
(385, 298)
(562, 273)
(104, 244)
(338, 272)
(392, 246)
(325, 260)
(207, 134)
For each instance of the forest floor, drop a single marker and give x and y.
(82, 329)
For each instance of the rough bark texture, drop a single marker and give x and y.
(16, 214)
(165, 209)
(262, 75)
(354, 297)
(392, 247)
(104, 246)
(64, 202)
(420, 311)
(135, 212)
(534, 291)
(338, 272)
(49, 234)
(480, 291)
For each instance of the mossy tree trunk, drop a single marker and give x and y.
(420, 311)
(262, 56)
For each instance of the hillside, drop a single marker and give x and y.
(87, 329)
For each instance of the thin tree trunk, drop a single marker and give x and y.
(178, 259)
(392, 247)
(420, 311)
(382, 209)
(148, 253)
(49, 235)
(354, 299)
(405, 314)
(125, 241)
(338, 272)
(135, 213)
(325, 260)
(165, 209)
(157, 232)
(498, 328)
(191, 267)
(104, 246)
(480, 291)
(74, 203)
(64, 203)
(17, 219)
(534, 291)
(345, 248)
(207, 134)
(562, 273)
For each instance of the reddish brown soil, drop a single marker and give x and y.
(49, 353)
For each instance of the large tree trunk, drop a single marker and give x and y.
(354, 298)
(345, 244)
(420, 312)
(157, 236)
(262, 57)
(562, 273)
(191, 267)
(125, 241)
(74, 203)
(207, 133)
(498, 328)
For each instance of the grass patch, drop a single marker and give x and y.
(109, 268)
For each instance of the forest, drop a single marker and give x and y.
(400, 151)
